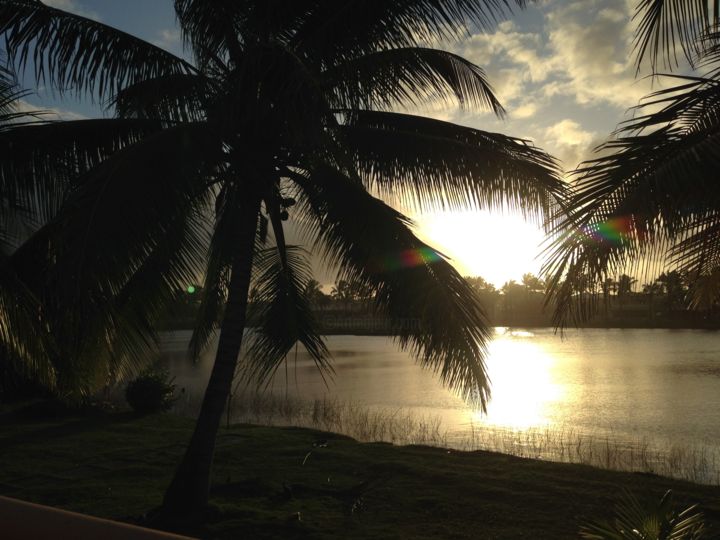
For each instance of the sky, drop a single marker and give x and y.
(563, 70)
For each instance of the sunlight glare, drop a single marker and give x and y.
(498, 247)
(524, 390)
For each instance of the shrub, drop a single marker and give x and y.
(151, 391)
(659, 522)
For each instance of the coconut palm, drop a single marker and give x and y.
(651, 199)
(284, 112)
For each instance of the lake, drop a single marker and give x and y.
(653, 387)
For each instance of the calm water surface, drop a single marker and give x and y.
(661, 385)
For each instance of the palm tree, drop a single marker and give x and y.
(285, 109)
(652, 199)
(532, 283)
(342, 292)
(313, 292)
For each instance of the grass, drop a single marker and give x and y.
(293, 482)
(696, 463)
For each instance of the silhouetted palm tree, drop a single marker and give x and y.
(652, 199)
(286, 109)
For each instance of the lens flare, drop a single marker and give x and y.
(614, 231)
(408, 259)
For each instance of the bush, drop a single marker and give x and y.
(151, 391)
(663, 521)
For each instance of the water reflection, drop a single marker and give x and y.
(658, 384)
(524, 388)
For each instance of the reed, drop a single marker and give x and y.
(695, 463)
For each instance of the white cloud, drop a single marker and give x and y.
(72, 6)
(48, 113)
(591, 43)
(525, 110)
(570, 142)
(169, 38)
(510, 47)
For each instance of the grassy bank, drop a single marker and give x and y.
(699, 463)
(272, 482)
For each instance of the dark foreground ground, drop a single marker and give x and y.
(284, 482)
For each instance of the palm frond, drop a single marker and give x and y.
(129, 196)
(345, 30)
(436, 314)
(282, 314)
(10, 94)
(666, 25)
(25, 344)
(218, 268)
(177, 98)
(654, 190)
(71, 53)
(178, 259)
(40, 163)
(634, 520)
(126, 238)
(407, 76)
(212, 29)
(433, 164)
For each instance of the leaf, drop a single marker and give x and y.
(71, 53)
(437, 315)
(282, 313)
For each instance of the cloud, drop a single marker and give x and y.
(72, 6)
(48, 113)
(561, 67)
(526, 110)
(169, 39)
(591, 43)
(570, 142)
(581, 50)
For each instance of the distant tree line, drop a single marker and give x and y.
(664, 301)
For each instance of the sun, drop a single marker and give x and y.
(496, 246)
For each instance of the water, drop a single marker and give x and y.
(656, 385)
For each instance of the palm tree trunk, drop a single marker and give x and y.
(189, 490)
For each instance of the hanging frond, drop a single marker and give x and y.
(435, 313)
(282, 314)
(663, 26)
(409, 76)
(431, 164)
(74, 54)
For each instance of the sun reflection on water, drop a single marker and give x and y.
(524, 389)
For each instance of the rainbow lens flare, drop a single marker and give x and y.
(614, 231)
(409, 259)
